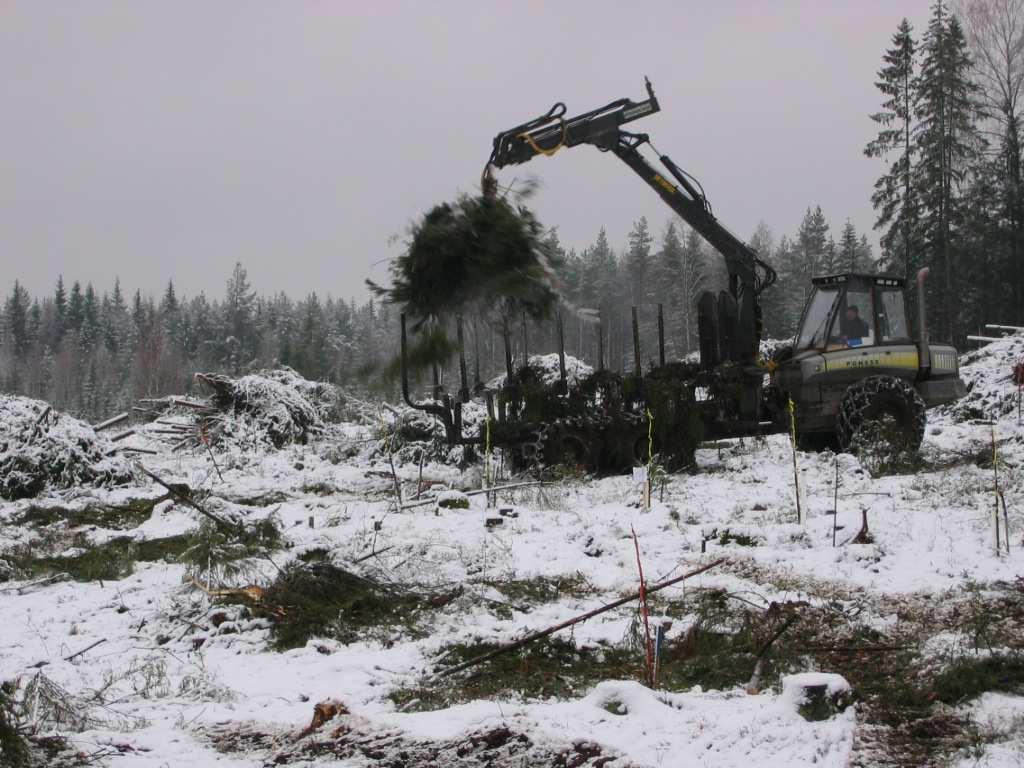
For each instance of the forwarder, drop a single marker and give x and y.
(852, 365)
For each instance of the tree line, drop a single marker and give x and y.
(94, 353)
(950, 196)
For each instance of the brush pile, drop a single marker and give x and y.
(41, 448)
(271, 408)
(989, 375)
(411, 436)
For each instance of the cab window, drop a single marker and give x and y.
(853, 325)
(812, 331)
(892, 316)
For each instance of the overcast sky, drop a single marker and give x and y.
(168, 140)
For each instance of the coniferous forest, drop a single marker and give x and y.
(946, 138)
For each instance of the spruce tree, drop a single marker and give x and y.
(695, 280)
(60, 305)
(638, 260)
(76, 308)
(790, 292)
(947, 141)
(15, 321)
(90, 319)
(995, 34)
(894, 197)
(668, 289)
(170, 316)
(239, 303)
(813, 244)
(849, 249)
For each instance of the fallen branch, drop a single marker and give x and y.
(433, 499)
(122, 435)
(44, 414)
(856, 648)
(187, 499)
(755, 678)
(87, 648)
(570, 622)
(191, 439)
(37, 427)
(375, 552)
(20, 588)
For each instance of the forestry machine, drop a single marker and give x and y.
(853, 361)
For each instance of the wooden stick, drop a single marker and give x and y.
(648, 644)
(122, 435)
(87, 648)
(111, 421)
(375, 552)
(570, 622)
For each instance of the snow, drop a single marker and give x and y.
(930, 534)
(794, 686)
(1000, 720)
(548, 365)
(988, 373)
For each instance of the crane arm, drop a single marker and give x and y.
(545, 135)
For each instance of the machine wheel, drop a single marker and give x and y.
(569, 445)
(888, 405)
(815, 442)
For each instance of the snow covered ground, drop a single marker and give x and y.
(176, 669)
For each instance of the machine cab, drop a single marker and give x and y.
(854, 311)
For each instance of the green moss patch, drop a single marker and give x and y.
(969, 678)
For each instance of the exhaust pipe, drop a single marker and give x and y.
(924, 353)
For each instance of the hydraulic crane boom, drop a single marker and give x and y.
(545, 135)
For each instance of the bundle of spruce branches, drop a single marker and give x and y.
(483, 254)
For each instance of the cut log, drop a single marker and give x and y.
(111, 422)
(191, 404)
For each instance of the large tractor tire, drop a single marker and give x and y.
(570, 445)
(889, 406)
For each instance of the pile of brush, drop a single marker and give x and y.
(41, 448)
(270, 408)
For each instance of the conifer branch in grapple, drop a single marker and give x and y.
(483, 254)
